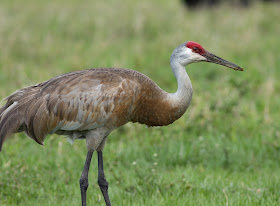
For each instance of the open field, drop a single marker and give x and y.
(224, 151)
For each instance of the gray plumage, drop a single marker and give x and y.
(75, 103)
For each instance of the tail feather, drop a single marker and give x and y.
(10, 121)
(18, 114)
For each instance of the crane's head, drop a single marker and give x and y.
(191, 52)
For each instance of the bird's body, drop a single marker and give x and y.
(79, 102)
(91, 103)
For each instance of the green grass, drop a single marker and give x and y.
(224, 151)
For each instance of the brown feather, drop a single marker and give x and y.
(85, 100)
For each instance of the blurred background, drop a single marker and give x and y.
(224, 151)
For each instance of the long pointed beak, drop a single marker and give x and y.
(218, 60)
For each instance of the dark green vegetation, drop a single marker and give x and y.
(224, 151)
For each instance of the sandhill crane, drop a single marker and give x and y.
(89, 104)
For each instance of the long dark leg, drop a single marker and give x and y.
(102, 182)
(84, 179)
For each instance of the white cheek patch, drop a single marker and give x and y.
(197, 57)
(202, 58)
(194, 57)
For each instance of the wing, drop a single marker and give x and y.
(81, 101)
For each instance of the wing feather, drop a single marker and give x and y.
(80, 101)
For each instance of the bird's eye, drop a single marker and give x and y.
(195, 49)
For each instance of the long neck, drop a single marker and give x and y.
(183, 96)
(158, 107)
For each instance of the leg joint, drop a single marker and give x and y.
(103, 183)
(83, 182)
